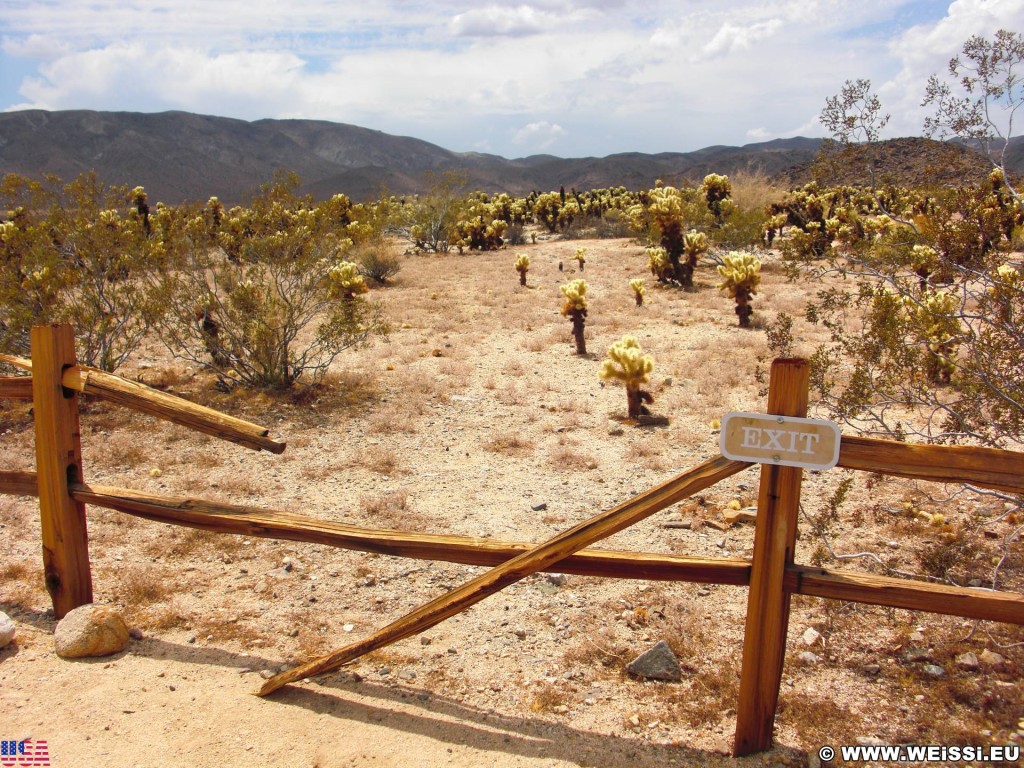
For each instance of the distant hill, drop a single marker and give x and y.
(179, 156)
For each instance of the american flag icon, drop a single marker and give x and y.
(27, 752)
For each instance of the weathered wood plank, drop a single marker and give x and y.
(139, 397)
(16, 387)
(539, 558)
(767, 620)
(902, 593)
(58, 463)
(986, 467)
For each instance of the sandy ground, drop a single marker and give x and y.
(475, 418)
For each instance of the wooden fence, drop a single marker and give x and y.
(771, 575)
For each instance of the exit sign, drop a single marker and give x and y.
(782, 440)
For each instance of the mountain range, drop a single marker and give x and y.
(180, 156)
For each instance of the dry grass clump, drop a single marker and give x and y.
(570, 459)
(509, 444)
(379, 459)
(545, 697)
(143, 586)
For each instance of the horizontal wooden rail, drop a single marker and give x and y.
(17, 387)
(275, 524)
(467, 550)
(139, 397)
(902, 593)
(987, 467)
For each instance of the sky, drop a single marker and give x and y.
(572, 78)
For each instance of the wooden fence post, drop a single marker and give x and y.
(764, 642)
(58, 463)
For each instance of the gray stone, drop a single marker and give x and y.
(7, 630)
(933, 670)
(539, 507)
(658, 663)
(916, 654)
(968, 661)
(90, 630)
(809, 658)
(558, 579)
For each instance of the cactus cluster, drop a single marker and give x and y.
(637, 284)
(522, 266)
(741, 274)
(575, 308)
(627, 363)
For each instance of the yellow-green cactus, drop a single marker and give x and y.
(637, 284)
(522, 267)
(658, 261)
(627, 363)
(741, 274)
(935, 318)
(581, 257)
(575, 308)
(694, 245)
(345, 280)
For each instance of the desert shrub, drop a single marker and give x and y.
(282, 310)
(78, 253)
(378, 261)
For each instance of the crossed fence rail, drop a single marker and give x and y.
(771, 575)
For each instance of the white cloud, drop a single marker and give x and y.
(615, 75)
(539, 135)
(495, 20)
(731, 38)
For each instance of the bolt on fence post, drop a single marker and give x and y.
(58, 463)
(764, 642)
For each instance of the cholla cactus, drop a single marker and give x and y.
(935, 316)
(581, 257)
(522, 267)
(627, 363)
(924, 260)
(637, 284)
(716, 189)
(695, 244)
(345, 280)
(741, 274)
(575, 308)
(658, 261)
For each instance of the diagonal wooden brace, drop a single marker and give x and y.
(544, 555)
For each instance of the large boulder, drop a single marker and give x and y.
(90, 630)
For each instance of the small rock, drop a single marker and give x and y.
(539, 507)
(811, 636)
(407, 674)
(90, 630)
(348, 627)
(560, 709)
(809, 658)
(384, 671)
(425, 640)
(991, 657)
(658, 663)
(136, 634)
(968, 661)
(7, 630)
(933, 670)
(615, 429)
(557, 579)
(634, 720)
(520, 632)
(872, 669)
(916, 654)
